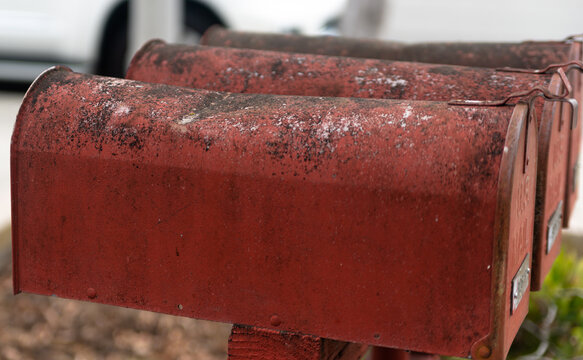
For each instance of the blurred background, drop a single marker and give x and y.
(99, 36)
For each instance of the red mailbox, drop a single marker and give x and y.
(363, 220)
(254, 71)
(530, 54)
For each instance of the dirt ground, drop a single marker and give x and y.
(39, 327)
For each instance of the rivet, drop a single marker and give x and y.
(180, 307)
(91, 293)
(275, 320)
(484, 351)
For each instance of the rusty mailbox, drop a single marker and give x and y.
(363, 220)
(528, 54)
(254, 71)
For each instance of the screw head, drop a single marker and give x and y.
(91, 293)
(275, 320)
(484, 352)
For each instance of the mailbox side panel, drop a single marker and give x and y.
(348, 219)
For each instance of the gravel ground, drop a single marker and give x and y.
(41, 327)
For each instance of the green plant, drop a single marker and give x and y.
(553, 328)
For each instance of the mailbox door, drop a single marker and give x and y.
(519, 170)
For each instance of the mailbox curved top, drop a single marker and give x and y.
(271, 72)
(528, 54)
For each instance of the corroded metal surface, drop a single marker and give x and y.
(526, 54)
(281, 212)
(530, 54)
(253, 71)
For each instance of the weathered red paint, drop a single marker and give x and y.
(269, 72)
(253, 343)
(529, 54)
(254, 71)
(350, 219)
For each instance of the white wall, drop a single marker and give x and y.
(481, 20)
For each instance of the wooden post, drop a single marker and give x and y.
(380, 353)
(265, 344)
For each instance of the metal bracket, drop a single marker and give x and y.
(575, 111)
(543, 92)
(574, 37)
(570, 65)
(528, 97)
